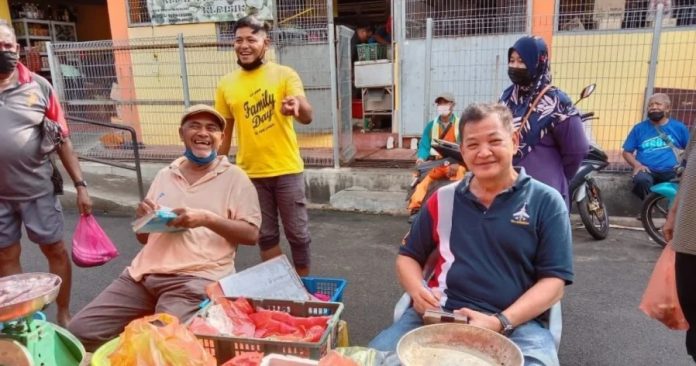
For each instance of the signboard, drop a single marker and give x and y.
(164, 12)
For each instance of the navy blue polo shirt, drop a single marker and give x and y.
(494, 254)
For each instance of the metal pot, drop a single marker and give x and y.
(457, 344)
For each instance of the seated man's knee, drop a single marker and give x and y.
(536, 343)
(643, 179)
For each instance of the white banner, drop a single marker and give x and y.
(163, 12)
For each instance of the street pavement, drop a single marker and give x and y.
(601, 321)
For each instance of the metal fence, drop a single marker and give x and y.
(146, 84)
(457, 18)
(623, 14)
(626, 64)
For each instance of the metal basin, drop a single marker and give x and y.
(24, 294)
(457, 344)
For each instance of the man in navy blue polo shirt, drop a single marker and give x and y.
(502, 241)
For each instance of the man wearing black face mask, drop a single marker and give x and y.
(652, 147)
(261, 100)
(27, 194)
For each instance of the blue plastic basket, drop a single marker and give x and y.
(332, 287)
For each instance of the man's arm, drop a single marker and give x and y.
(234, 231)
(305, 112)
(227, 138)
(295, 103)
(668, 229)
(634, 163)
(410, 275)
(425, 143)
(72, 165)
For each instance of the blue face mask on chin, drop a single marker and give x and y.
(200, 161)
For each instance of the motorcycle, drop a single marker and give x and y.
(584, 189)
(587, 195)
(656, 205)
(450, 155)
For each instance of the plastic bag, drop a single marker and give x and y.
(91, 247)
(159, 340)
(660, 300)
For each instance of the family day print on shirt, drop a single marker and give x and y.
(260, 111)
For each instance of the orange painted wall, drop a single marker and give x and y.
(542, 20)
(118, 20)
(93, 23)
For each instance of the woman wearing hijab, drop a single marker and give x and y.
(552, 138)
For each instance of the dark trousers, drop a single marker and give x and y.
(644, 180)
(685, 271)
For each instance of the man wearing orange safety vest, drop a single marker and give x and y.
(444, 127)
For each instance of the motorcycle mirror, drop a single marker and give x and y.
(588, 91)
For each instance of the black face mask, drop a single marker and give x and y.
(8, 62)
(253, 65)
(656, 116)
(519, 76)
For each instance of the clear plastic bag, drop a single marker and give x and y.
(159, 340)
(91, 246)
(660, 300)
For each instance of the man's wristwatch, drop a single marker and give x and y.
(81, 183)
(505, 322)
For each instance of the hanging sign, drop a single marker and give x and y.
(165, 12)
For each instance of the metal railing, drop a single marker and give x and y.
(146, 84)
(107, 143)
(626, 65)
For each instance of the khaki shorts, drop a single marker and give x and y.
(284, 196)
(42, 218)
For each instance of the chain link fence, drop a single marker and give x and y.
(626, 60)
(147, 83)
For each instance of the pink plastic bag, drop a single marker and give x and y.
(91, 247)
(660, 300)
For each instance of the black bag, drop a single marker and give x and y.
(51, 139)
(51, 136)
(56, 178)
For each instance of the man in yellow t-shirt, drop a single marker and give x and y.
(261, 99)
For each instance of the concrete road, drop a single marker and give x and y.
(602, 323)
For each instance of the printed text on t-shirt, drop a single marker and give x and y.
(260, 111)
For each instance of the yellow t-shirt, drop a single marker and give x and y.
(266, 140)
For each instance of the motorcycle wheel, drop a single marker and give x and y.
(653, 216)
(593, 213)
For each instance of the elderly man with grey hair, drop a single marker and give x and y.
(653, 146)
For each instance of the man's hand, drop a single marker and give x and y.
(145, 207)
(668, 228)
(481, 320)
(290, 107)
(419, 161)
(640, 168)
(190, 218)
(84, 202)
(424, 299)
(453, 169)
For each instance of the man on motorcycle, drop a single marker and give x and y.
(502, 239)
(444, 127)
(655, 142)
